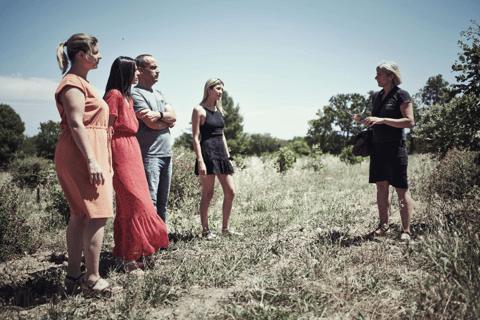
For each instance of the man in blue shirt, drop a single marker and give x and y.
(156, 116)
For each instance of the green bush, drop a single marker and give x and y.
(15, 233)
(443, 126)
(347, 156)
(456, 175)
(58, 202)
(32, 172)
(285, 159)
(315, 159)
(185, 184)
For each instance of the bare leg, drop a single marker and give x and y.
(92, 244)
(208, 185)
(226, 180)
(75, 229)
(406, 207)
(383, 202)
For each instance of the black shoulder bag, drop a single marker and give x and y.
(363, 143)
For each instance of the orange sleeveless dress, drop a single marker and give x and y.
(83, 197)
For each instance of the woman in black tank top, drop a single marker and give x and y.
(213, 158)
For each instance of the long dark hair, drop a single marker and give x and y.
(121, 76)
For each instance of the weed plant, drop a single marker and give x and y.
(285, 159)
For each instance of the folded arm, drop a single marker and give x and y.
(154, 120)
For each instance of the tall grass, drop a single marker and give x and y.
(303, 256)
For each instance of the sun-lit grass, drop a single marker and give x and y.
(303, 256)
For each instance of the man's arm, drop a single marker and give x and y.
(149, 116)
(156, 125)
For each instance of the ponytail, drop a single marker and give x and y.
(62, 57)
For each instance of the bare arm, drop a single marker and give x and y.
(111, 120)
(198, 118)
(73, 101)
(150, 116)
(225, 142)
(406, 122)
(146, 115)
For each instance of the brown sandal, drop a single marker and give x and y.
(136, 271)
(227, 232)
(405, 236)
(99, 287)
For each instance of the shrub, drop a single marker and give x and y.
(58, 202)
(184, 184)
(32, 172)
(15, 233)
(315, 159)
(11, 133)
(347, 156)
(285, 159)
(443, 126)
(456, 175)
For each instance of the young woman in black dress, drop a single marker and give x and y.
(213, 158)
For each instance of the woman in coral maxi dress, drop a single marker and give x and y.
(138, 230)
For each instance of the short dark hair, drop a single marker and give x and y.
(140, 60)
(121, 76)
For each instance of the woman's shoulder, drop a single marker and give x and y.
(114, 93)
(199, 109)
(73, 81)
(404, 94)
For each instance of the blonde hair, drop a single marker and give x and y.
(391, 67)
(212, 82)
(76, 43)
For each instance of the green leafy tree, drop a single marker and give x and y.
(457, 123)
(185, 140)
(260, 143)
(436, 90)
(321, 132)
(452, 124)
(47, 138)
(300, 146)
(468, 63)
(335, 128)
(353, 103)
(11, 133)
(236, 138)
(28, 147)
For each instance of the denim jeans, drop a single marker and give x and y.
(159, 174)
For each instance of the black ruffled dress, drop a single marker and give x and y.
(213, 149)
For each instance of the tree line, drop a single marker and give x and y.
(446, 115)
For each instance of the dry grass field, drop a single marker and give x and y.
(303, 256)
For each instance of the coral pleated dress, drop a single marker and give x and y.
(84, 198)
(138, 230)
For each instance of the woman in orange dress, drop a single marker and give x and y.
(82, 162)
(138, 229)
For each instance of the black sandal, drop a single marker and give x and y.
(380, 231)
(72, 284)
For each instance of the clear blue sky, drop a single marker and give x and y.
(280, 60)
